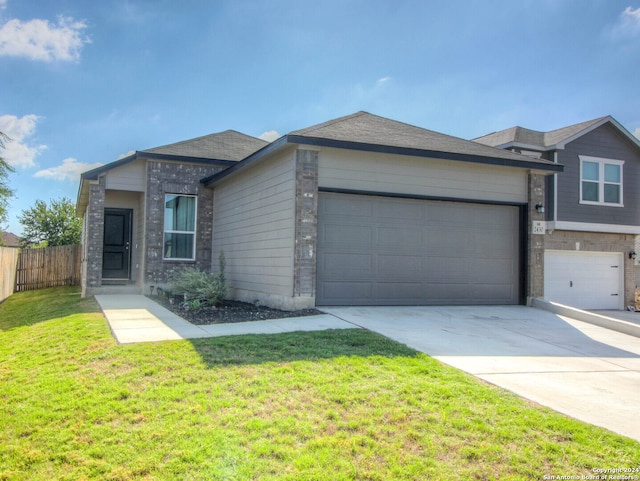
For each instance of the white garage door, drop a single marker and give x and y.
(376, 250)
(586, 280)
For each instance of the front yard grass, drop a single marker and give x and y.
(338, 405)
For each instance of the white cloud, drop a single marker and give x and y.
(40, 40)
(382, 81)
(18, 152)
(70, 170)
(628, 23)
(269, 135)
(122, 156)
(3, 4)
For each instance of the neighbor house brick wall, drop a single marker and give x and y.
(599, 242)
(306, 223)
(536, 244)
(165, 177)
(94, 224)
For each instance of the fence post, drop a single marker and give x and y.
(8, 266)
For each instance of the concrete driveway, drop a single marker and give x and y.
(579, 369)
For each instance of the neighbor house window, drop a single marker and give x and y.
(179, 227)
(600, 181)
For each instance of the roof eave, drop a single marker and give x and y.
(526, 162)
(94, 174)
(266, 150)
(289, 139)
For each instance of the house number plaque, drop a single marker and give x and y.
(538, 227)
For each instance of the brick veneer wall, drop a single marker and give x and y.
(94, 224)
(536, 244)
(306, 227)
(176, 178)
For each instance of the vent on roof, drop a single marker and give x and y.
(528, 153)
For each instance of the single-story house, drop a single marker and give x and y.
(359, 210)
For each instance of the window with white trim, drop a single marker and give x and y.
(179, 227)
(600, 181)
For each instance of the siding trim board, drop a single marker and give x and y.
(591, 227)
(418, 197)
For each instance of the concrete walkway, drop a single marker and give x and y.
(136, 318)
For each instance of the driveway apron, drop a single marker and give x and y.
(579, 369)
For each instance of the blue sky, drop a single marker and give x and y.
(83, 83)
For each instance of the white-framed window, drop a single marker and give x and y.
(179, 227)
(601, 181)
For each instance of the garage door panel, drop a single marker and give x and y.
(447, 270)
(407, 238)
(496, 271)
(398, 292)
(416, 252)
(444, 293)
(449, 214)
(342, 234)
(494, 293)
(400, 267)
(451, 241)
(399, 211)
(355, 265)
(334, 206)
(486, 244)
(347, 290)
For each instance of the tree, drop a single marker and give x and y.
(5, 192)
(55, 225)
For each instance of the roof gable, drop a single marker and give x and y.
(366, 128)
(223, 148)
(552, 140)
(227, 145)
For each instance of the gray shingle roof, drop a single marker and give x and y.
(533, 138)
(367, 132)
(366, 128)
(227, 145)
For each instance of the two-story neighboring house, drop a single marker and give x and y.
(592, 210)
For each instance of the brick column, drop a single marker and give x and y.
(535, 254)
(306, 223)
(95, 236)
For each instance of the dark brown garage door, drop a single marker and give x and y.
(393, 251)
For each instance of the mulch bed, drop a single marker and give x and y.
(230, 311)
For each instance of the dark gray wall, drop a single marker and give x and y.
(607, 142)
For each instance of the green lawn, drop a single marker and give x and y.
(335, 405)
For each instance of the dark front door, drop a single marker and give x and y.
(116, 253)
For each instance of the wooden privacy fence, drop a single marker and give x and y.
(8, 264)
(48, 267)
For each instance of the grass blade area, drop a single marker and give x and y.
(339, 405)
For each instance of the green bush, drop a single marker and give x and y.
(196, 285)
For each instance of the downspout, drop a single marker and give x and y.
(555, 189)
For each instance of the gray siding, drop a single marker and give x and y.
(375, 172)
(130, 176)
(605, 142)
(254, 223)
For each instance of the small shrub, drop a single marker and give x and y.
(194, 305)
(196, 285)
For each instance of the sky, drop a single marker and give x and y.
(83, 83)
